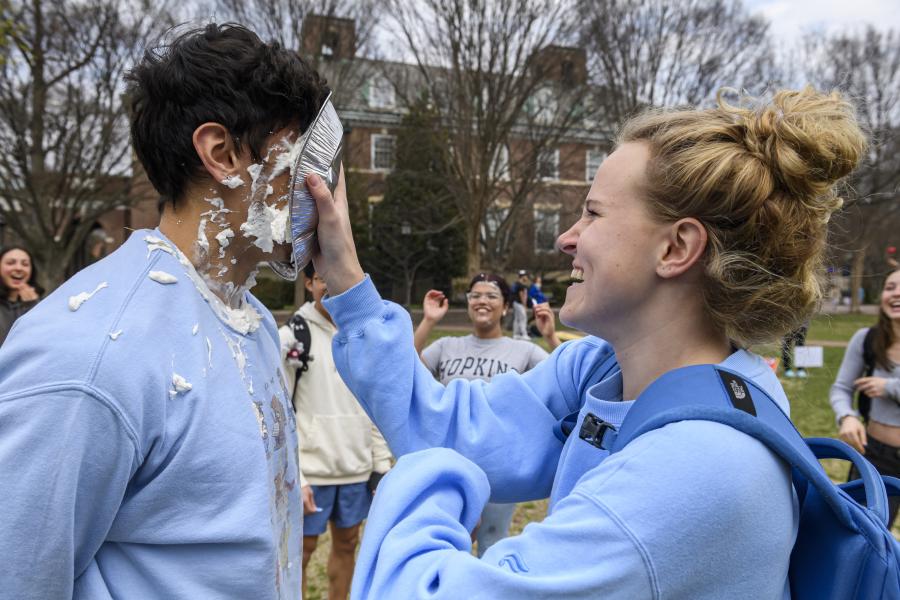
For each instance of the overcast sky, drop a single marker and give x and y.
(790, 18)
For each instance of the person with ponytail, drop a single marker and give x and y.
(871, 370)
(702, 235)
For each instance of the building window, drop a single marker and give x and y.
(381, 93)
(383, 152)
(330, 44)
(548, 164)
(592, 161)
(543, 105)
(546, 228)
(500, 164)
(494, 217)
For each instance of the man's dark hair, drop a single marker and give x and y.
(309, 270)
(223, 74)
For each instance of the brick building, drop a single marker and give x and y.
(371, 112)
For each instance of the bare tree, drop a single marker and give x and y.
(63, 125)
(308, 26)
(866, 65)
(647, 53)
(504, 97)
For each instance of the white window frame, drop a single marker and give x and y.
(553, 156)
(545, 214)
(381, 93)
(374, 151)
(591, 166)
(545, 105)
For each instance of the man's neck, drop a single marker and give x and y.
(220, 254)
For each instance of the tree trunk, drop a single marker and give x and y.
(856, 278)
(408, 280)
(473, 254)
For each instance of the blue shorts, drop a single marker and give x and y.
(346, 505)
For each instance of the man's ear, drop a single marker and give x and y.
(307, 283)
(684, 245)
(216, 150)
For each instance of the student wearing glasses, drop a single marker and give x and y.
(480, 355)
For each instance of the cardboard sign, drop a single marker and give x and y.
(808, 356)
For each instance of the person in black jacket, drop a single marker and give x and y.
(19, 290)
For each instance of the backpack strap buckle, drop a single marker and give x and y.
(597, 432)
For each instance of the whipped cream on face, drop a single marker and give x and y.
(162, 277)
(202, 241)
(224, 237)
(268, 224)
(233, 181)
(77, 300)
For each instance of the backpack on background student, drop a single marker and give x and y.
(298, 356)
(843, 549)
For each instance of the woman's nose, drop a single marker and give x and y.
(568, 240)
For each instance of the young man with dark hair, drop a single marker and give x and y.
(147, 443)
(342, 453)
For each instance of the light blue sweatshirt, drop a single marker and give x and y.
(691, 510)
(119, 479)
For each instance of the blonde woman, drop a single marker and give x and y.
(702, 233)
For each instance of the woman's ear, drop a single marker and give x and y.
(684, 245)
(216, 149)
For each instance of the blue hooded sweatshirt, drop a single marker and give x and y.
(147, 446)
(691, 510)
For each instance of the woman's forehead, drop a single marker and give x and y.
(15, 255)
(485, 286)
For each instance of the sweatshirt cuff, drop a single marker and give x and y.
(355, 307)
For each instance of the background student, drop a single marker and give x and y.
(871, 370)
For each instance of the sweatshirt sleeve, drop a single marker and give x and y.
(852, 367)
(381, 454)
(506, 426)
(66, 457)
(665, 518)
(418, 542)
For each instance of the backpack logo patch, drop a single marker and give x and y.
(738, 392)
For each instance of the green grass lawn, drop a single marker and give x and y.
(810, 411)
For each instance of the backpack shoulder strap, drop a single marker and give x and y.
(869, 350)
(712, 393)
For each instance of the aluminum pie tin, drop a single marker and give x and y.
(320, 153)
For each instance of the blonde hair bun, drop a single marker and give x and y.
(760, 176)
(809, 140)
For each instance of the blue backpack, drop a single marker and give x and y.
(843, 549)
